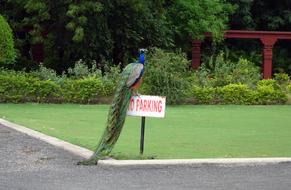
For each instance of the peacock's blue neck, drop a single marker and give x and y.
(141, 58)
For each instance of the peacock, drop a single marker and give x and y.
(129, 82)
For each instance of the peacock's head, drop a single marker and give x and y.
(141, 56)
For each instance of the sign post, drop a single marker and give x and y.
(146, 106)
(142, 128)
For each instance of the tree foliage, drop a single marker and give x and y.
(7, 51)
(261, 14)
(264, 15)
(109, 31)
(192, 18)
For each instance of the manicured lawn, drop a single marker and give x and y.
(186, 132)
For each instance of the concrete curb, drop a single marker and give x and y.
(215, 161)
(77, 150)
(85, 153)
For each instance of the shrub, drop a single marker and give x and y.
(165, 74)
(268, 82)
(14, 88)
(269, 92)
(269, 95)
(109, 87)
(201, 78)
(220, 71)
(282, 78)
(44, 73)
(235, 94)
(203, 95)
(46, 91)
(24, 88)
(7, 51)
(83, 90)
(265, 93)
(20, 87)
(246, 72)
(288, 88)
(81, 70)
(110, 79)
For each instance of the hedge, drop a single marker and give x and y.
(83, 90)
(22, 87)
(235, 94)
(266, 92)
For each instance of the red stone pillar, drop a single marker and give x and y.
(267, 56)
(196, 54)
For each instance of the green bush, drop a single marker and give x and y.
(83, 90)
(24, 87)
(15, 88)
(235, 94)
(46, 91)
(165, 74)
(221, 71)
(218, 69)
(265, 93)
(21, 87)
(7, 51)
(201, 78)
(246, 72)
(44, 73)
(268, 82)
(203, 95)
(282, 78)
(288, 88)
(268, 92)
(81, 70)
(110, 79)
(109, 87)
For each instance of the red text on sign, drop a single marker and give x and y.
(146, 105)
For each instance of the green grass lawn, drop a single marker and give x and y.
(185, 132)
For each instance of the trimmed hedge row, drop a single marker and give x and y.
(22, 88)
(265, 93)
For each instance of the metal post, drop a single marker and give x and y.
(142, 135)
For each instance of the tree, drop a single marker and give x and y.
(109, 31)
(7, 51)
(134, 24)
(190, 19)
(62, 26)
(243, 17)
(266, 15)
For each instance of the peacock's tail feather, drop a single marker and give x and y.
(115, 120)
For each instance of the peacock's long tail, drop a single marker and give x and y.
(115, 120)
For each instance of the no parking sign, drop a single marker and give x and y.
(146, 106)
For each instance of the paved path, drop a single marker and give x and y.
(27, 163)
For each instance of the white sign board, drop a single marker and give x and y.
(147, 106)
